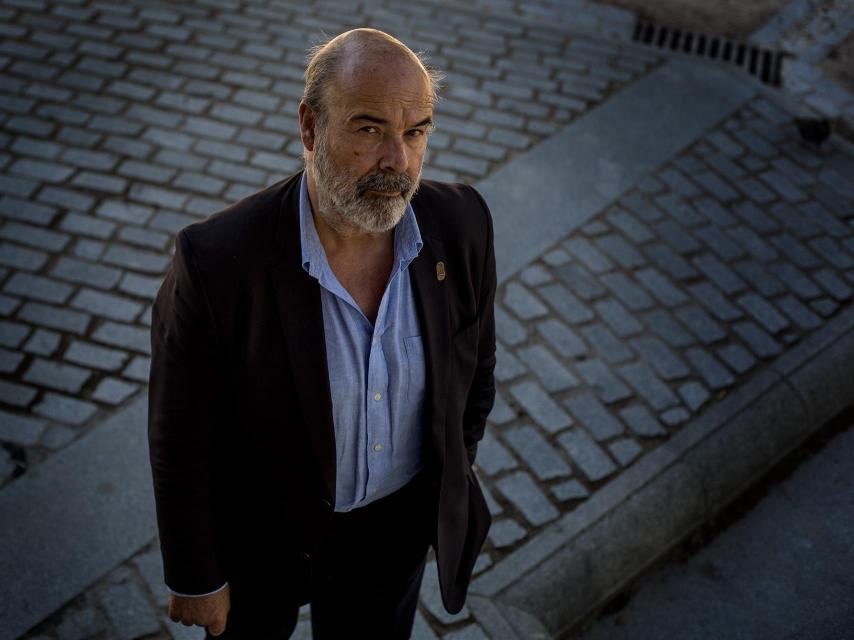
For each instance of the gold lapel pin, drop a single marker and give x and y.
(440, 270)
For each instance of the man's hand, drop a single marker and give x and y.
(206, 611)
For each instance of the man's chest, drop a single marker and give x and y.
(364, 280)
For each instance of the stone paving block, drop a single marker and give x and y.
(737, 357)
(661, 286)
(137, 259)
(138, 369)
(145, 237)
(508, 329)
(113, 391)
(77, 625)
(795, 221)
(716, 240)
(694, 394)
(492, 456)
(561, 338)
(629, 293)
(93, 356)
(16, 395)
(618, 318)
(625, 450)
(599, 376)
(89, 249)
(522, 302)
(598, 420)
(35, 236)
(41, 171)
(641, 421)
(679, 210)
(501, 411)
(579, 280)
(716, 271)
(712, 299)
(26, 211)
(796, 280)
(620, 251)
(701, 324)
(64, 409)
(759, 342)
(658, 355)
(713, 372)
(799, 313)
(21, 430)
(507, 366)
(642, 207)
(534, 275)
(763, 312)
(83, 272)
(825, 219)
(540, 407)
(590, 458)
(783, 186)
(12, 334)
(19, 257)
(37, 288)
(505, 532)
(569, 490)
(553, 376)
(670, 262)
(64, 377)
(755, 218)
(54, 317)
(536, 452)
(824, 306)
(833, 284)
(124, 336)
(676, 237)
(831, 251)
(521, 490)
(129, 611)
(644, 380)
(565, 303)
(43, 342)
(586, 252)
(556, 257)
(87, 225)
(105, 304)
(714, 185)
(124, 211)
(603, 342)
(8, 305)
(678, 182)
(795, 251)
(751, 242)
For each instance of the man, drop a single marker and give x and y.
(322, 370)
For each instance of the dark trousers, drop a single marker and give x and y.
(367, 571)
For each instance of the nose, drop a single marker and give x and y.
(393, 157)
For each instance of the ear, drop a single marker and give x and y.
(307, 119)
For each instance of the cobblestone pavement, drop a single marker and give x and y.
(124, 122)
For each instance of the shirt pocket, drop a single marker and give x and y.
(415, 366)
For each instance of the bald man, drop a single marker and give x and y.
(322, 370)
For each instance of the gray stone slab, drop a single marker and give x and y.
(612, 148)
(103, 513)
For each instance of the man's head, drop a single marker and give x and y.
(364, 120)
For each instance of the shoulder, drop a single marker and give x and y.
(241, 230)
(451, 208)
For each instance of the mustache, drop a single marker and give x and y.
(379, 182)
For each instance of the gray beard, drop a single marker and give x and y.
(345, 202)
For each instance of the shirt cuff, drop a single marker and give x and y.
(195, 595)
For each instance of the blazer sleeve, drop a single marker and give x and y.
(185, 385)
(482, 392)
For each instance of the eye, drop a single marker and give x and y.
(415, 133)
(369, 129)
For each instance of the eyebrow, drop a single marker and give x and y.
(374, 119)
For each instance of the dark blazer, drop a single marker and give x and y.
(240, 425)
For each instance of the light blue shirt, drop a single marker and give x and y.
(376, 371)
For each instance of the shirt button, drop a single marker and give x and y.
(378, 447)
(377, 395)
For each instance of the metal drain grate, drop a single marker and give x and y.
(762, 63)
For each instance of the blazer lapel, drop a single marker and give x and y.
(431, 305)
(297, 297)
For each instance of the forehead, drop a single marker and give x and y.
(393, 89)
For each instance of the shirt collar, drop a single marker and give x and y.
(407, 236)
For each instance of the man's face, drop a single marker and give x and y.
(367, 155)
